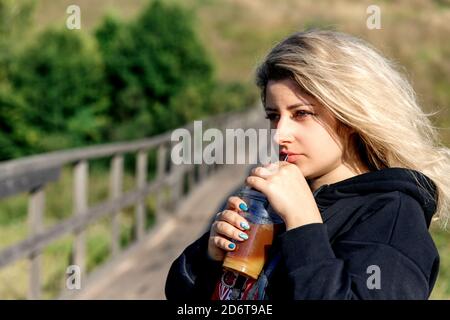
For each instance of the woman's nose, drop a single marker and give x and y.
(283, 131)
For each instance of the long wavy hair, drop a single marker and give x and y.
(365, 92)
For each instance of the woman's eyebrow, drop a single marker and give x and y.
(301, 104)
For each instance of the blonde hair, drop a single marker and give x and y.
(366, 92)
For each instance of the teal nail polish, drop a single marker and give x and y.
(231, 246)
(243, 236)
(245, 225)
(243, 207)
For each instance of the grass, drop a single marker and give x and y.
(442, 287)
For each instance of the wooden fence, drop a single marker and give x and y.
(32, 174)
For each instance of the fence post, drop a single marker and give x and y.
(141, 180)
(80, 205)
(36, 205)
(116, 183)
(160, 172)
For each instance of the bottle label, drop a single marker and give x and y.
(233, 286)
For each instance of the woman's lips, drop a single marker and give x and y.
(292, 157)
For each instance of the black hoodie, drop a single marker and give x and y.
(375, 224)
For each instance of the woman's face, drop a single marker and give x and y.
(307, 130)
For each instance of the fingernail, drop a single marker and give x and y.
(231, 246)
(243, 236)
(243, 207)
(245, 225)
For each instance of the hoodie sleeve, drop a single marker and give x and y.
(193, 275)
(388, 255)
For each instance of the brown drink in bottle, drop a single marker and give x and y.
(250, 256)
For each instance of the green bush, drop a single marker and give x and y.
(60, 77)
(158, 72)
(16, 138)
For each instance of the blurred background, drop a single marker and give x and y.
(139, 68)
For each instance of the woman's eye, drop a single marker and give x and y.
(272, 116)
(301, 114)
(298, 115)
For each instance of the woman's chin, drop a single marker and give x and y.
(303, 169)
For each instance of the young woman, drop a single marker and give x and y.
(365, 174)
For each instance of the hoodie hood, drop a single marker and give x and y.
(382, 181)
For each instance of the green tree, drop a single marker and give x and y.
(61, 78)
(15, 18)
(16, 138)
(158, 72)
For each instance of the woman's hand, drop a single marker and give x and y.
(288, 192)
(228, 225)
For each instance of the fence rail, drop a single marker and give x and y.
(32, 174)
